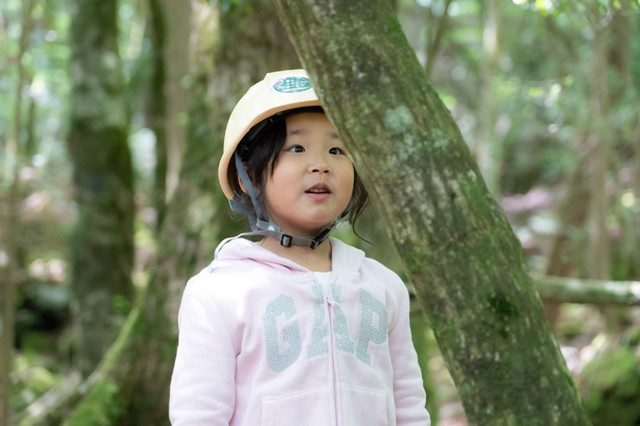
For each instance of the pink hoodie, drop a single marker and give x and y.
(261, 343)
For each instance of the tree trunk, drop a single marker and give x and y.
(10, 235)
(102, 247)
(620, 48)
(455, 243)
(435, 39)
(177, 50)
(490, 144)
(571, 213)
(598, 253)
(157, 107)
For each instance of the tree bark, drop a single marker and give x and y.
(157, 106)
(490, 146)
(177, 49)
(571, 213)
(102, 246)
(598, 252)
(10, 272)
(455, 243)
(620, 48)
(434, 40)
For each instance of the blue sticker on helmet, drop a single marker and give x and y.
(292, 85)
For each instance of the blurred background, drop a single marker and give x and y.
(112, 116)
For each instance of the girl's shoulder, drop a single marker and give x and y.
(369, 269)
(372, 267)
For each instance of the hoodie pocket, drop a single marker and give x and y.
(363, 406)
(310, 407)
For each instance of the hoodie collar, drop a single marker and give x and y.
(344, 258)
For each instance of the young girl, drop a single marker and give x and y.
(297, 329)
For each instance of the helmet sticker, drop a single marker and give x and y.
(292, 85)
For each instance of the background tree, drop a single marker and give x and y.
(12, 269)
(454, 242)
(103, 239)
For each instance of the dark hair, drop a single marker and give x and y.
(260, 153)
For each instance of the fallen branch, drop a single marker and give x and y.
(575, 290)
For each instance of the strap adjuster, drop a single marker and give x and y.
(286, 240)
(320, 238)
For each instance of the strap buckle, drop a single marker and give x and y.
(286, 240)
(320, 238)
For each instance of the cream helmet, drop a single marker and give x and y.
(279, 91)
(272, 97)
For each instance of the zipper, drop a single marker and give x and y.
(332, 303)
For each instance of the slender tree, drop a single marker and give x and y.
(157, 105)
(490, 146)
(455, 243)
(102, 246)
(10, 215)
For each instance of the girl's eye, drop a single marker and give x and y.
(296, 148)
(336, 151)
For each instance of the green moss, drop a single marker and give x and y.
(610, 386)
(103, 406)
(415, 262)
(503, 305)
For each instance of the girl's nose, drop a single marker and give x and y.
(320, 168)
(319, 165)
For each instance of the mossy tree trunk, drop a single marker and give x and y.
(102, 246)
(157, 106)
(455, 243)
(176, 49)
(11, 271)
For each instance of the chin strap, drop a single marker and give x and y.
(289, 240)
(260, 223)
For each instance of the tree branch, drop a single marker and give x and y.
(434, 42)
(575, 290)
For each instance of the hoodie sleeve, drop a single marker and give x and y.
(408, 389)
(203, 381)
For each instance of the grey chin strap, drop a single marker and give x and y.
(260, 223)
(289, 240)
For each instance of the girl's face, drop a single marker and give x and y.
(312, 180)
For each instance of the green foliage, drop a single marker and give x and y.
(103, 406)
(32, 375)
(610, 387)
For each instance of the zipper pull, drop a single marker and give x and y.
(331, 301)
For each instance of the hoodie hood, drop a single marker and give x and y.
(344, 258)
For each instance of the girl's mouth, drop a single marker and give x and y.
(318, 191)
(319, 188)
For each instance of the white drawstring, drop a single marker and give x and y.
(331, 301)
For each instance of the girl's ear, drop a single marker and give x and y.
(242, 187)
